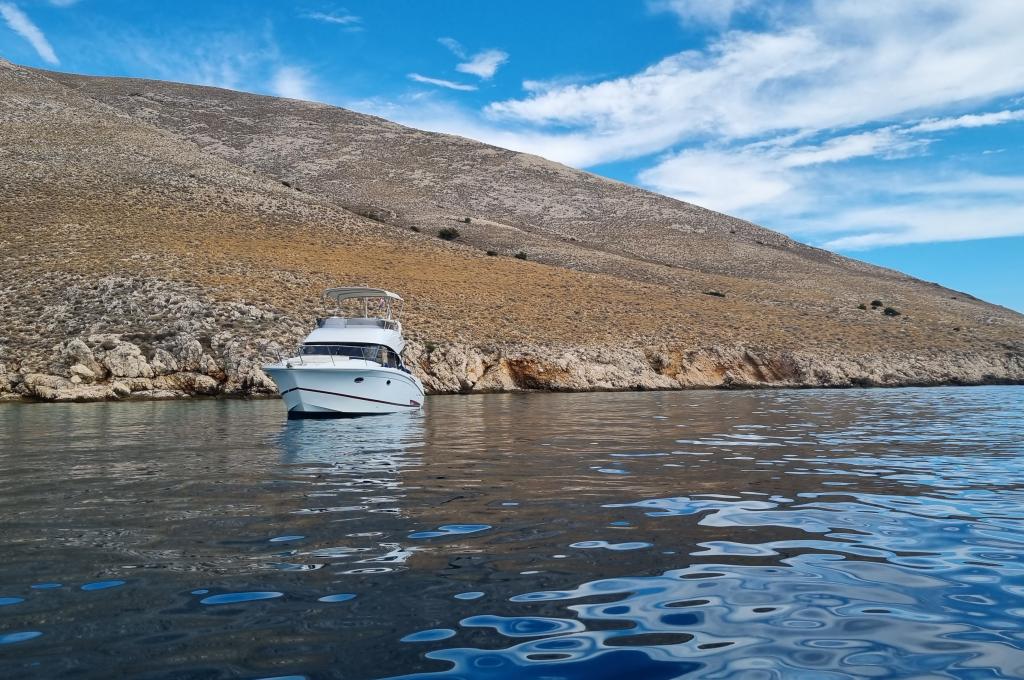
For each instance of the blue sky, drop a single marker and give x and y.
(888, 131)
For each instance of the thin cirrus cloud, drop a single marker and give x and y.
(350, 21)
(713, 12)
(19, 22)
(440, 82)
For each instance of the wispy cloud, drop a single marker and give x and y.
(19, 22)
(969, 121)
(483, 64)
(292, 82)
(955, 219)
(440, 82)
(826, 72)
(713, 12)
(454, 46)
(339, 18)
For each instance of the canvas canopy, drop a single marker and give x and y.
(339, 294)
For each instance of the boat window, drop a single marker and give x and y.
(388, 358)
(385, 356)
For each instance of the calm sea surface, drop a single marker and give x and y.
(784, 534)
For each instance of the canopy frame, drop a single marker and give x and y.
(393, 305)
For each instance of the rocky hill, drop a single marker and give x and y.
(160, 240)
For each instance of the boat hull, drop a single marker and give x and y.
(327, 391)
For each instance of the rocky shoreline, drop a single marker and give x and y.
(108, 367)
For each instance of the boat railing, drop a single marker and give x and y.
(343, 322)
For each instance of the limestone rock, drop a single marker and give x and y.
(188, 383)
(125, 360)
(187, 352)
(83, 373)
(163, 362)
(76, 352)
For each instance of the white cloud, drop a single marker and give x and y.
(19, 22)
(451, 85)
(454, 46)
(884, 142)
(968, 121)
(292, 82)
(714, 12)
(842, 66)
(763, 174)
(721, 180)
(483, 64)
(340, 19)
(947, 220)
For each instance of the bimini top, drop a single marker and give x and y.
(339, 294)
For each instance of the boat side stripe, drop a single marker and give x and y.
(350, 396)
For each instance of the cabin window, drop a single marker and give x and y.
(384, 356)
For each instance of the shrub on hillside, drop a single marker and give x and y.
(448, 234)
(891, 311)
(521, 255)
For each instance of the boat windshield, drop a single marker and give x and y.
(380, 354)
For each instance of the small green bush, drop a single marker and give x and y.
(466, 220)
(521, 255)
(715, 293)
(891, 311)
(416, 229)
(492, 253)
(862, 306)
(449, 234)
(430, 346)
(876, 303)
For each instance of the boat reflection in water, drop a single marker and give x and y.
(354, 466)
(354, 443)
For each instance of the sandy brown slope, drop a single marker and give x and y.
(147, 234)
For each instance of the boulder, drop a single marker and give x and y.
(83, 373)
(163, 362)
(126, 361)
(76, 353)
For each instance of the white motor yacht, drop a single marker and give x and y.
(351, 364)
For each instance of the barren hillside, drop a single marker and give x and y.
(160, 239)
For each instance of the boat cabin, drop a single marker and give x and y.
(363, 324)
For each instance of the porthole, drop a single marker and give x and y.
(389, 382)
(358, 380)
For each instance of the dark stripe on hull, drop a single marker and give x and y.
(350, 396)
(329, 415)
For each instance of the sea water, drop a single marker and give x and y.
(771, 534)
